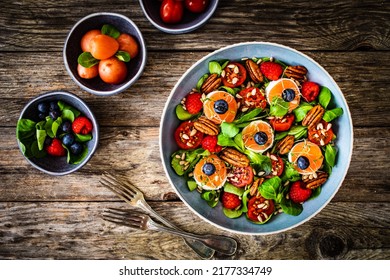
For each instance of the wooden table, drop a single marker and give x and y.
(46, 217)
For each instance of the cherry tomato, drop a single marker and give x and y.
(103, 46)
(277, 166)
(282, 124)
(260, 214)
(234, 75)
(112, 70)
(128, 44)
(185, 138)
(88, 73)
(86, 39)
(171, 11)
(321, 134)
(252, 98)
(240, 176)
(196, 6)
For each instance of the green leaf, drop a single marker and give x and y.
(36, 152)
(87, 60)
(324, 97)
(211, 197)
(82, 137)
(248, 116)
(244, 207)
(48, 127)
(233, 189)
(192, 185)
(226, 141)
(76, 159)
(298, 131)
(279, 107)
(25, 128)
(229, 129)
(239, 142)
(231, 213)
(280, 135)
(330, 115)
(315, 193)
(41, 136)
(63, 106)
(201, 81)
(229, 90)
(301, 111)
(259, 162)
(56, 124)
(330, 155)
(224, 64)
(123, 56)
(271, 188)
(182, 114)
(110, 30)
(215, 68)
(290, 173)
(67, 115)
(291, 208)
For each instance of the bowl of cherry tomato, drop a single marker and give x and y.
(104, 53)
(178, 16)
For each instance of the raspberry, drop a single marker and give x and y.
(193, 103)
(271, 70)
(82, 125)
(299, 193)
(210, 143)
(230, 200)
(55, 148)
(310, 91)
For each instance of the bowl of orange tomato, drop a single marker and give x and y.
(104, 53)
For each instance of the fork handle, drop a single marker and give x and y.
(223, 244)
(204, 251)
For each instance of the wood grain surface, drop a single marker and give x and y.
(46, 217)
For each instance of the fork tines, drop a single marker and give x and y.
(123, 217)
(123, 189)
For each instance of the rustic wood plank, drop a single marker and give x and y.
(134, 153)
(76, 231)
(324, 25)
(364, 84)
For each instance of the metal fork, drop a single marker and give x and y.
(223, 244)
(134, 197)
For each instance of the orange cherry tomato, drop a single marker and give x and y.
(88, 73)
(86, 39)
(112, 70)
(103, 46)
(128, 44)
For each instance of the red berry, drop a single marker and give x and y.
(193, 103)
(271, 70)
(299, 193)
(310, 91)
(55, 148)
(210, 143)
(82, 125)
(230, 200)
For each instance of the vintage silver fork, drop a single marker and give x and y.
(223, 244)
(135, 197)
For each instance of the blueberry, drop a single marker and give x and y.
(303, 162)
(54, 106)
(43, 107)
(261, 138)
(66, 126)
(54, 114)
(208, 169)
(76, 148)
(68, 139)
(221, 106)
(288, 94)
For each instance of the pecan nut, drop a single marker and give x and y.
(284, 146)
(255, 186)
(211, 83)
(206, 126)
(316, 180)
(254, 71)
(314, 116)
(234, 157)
(296, 72)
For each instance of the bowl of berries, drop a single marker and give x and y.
(256, 138)
(104, 53)
(57, 133)
(178, 16)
